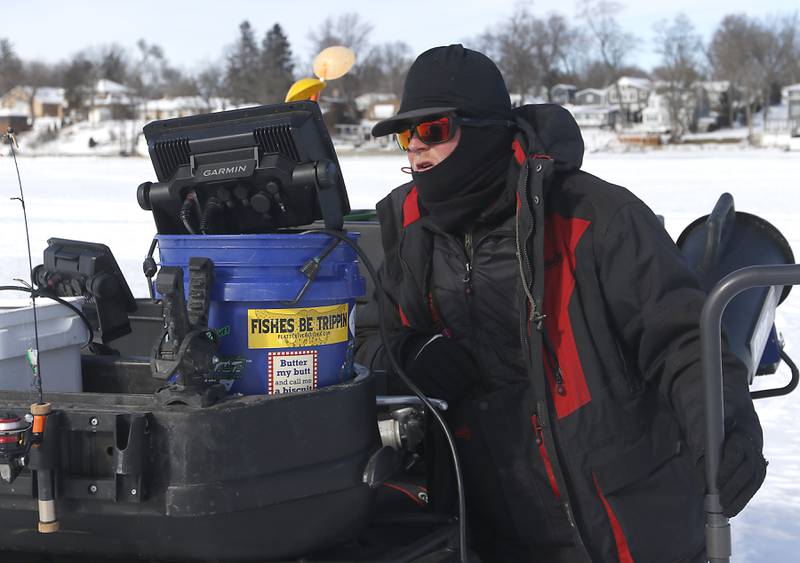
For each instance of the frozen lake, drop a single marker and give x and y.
(95, 200)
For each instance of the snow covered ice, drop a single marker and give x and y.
(94, 199)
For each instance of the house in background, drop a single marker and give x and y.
(518, 100)
(563, 94)
(634, 92)
(655, 117)
(791, 96)
(599, 117)
(591, 97)
(48, 101)
(16, 118)
(375, 106)
(181, 106)
(717, 92)
(111, 100)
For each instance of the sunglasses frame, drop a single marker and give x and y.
(456, 121)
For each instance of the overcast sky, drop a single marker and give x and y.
(195, 32)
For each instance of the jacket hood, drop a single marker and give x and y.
(554, 133)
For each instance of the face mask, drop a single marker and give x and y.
(459, 188)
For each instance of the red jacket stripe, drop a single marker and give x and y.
(561, 238)
(411, 207)
(519, 154)
(403, 318)
(548, 467)
(623, 551)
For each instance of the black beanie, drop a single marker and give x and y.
(450, 79)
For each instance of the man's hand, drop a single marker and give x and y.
(741, 472)
(442, 368)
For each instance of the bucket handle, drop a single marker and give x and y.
(150, 268)
(310, 270)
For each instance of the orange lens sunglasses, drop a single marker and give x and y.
(442, 129)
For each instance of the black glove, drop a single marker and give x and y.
(741, 472)
(441, 368)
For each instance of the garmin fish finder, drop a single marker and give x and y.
(253, 170)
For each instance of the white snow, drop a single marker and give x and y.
(108, 138)
(95, 199)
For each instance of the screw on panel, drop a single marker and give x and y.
(133, 492)
(94, 421)
(92, 489)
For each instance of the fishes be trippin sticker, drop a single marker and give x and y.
(291, 372)
(297, 328)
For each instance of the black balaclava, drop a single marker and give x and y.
(453, 79)
(459, 188)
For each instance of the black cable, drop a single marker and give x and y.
(57, 299)
(310, 270)
(149, 267)
(462, 513)
(185, 215)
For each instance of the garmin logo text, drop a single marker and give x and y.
(217, 171)
(225, 170)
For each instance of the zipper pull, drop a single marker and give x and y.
(537, 429)
(467, 278)
(560, 389)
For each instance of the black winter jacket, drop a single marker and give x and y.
(584, 318)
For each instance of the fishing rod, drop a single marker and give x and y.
(40, 458)
(33, 355)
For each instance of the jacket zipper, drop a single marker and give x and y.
(536, 318)
(468, 265)
(548, 467)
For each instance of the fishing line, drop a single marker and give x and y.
(37, 374)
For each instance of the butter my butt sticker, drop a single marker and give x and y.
(297, 328)
(291, 372)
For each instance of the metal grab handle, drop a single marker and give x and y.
(718, 531)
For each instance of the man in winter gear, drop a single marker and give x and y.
(554, 313)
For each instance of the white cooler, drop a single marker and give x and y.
(61, 335)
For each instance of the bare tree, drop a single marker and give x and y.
(613, 44)
(485, 43)
(211, 83)
(347, 29)
(385, 67)
(10, 66)
(775, 53)
(178, 83)
(551, 40)
(146, 74)
(594, 74)
(79, 78)
(350, 30)
(112, 63)
(532, 53)
(37, 75)
(680, 49)
(515, 50)
(791, 33)
(576, 58)
(732, 59)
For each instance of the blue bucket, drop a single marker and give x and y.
(268, 344)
